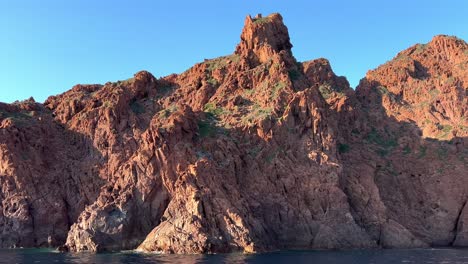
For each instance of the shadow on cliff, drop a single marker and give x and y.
(256, 169)
(393, 174)
(417, 184)
(50, 179)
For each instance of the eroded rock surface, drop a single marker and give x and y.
(249, 152)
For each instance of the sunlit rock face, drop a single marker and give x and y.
(249, 152)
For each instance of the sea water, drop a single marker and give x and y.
(443, 256)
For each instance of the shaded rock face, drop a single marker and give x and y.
(48, 174)
(248, 152)
(406, 148)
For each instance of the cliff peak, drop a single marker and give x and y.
(263, 36)
(449, 46)
(446, 39)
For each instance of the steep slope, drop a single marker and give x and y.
(406, 156)
(425, 84)
(229, 137)
(47, 176)
(249, 152)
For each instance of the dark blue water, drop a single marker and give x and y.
(443, 256)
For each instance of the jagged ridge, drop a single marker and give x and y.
(249, 152)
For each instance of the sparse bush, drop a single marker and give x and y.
(206, 128)
(164, 90)
(328, 92)
(390, 169)
(213, 110)
(274, 154)
(136, 107)
(385, 146)
(221, 62)
(355, 131)
(383, 90)
(325, 90)
(276, 90)
(382, 152)
(375, 137)
(254, 151)
(406, 150)
(212, 81)
(450, 80)
(203, 154)
(107, 104)
(422, 151)
(261, 20)
(434, 93)
(163, 114)
(442, 152)
(420, 48)
(444, 131)
(257, 114)
(294, 74)
(249, 92)
(343, 148)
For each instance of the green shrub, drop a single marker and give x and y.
(166, 112)
(16, 116)
(136, 107)
(206, 128)
(445, 130)
(276, 90)
(325, 90)
(294, 74)
(422, 151)
(420, 48)
(442, 152)
(383, 90)
(375, 137)
(382, 152)
(203, 154)
(451, 80)
(165, 89)
(406, 150)
(256, 114)
(221, 62)
(272, 155)
(254, 151)
(212, 81)
(385, 144)
(390, 169)
(261, 20)
(343, 148)
(434, 93)
(213, 110)
(107, 104)
(249, 92)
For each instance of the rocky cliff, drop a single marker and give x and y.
(250, 152)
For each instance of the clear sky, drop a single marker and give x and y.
(48, 46)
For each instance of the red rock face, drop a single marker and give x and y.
(249, 152)
(412, 122)
(263, 37)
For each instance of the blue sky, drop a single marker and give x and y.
(48, 46)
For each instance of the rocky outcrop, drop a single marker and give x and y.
(425, 84)
(249, 152)
(47, 175)
(406, 151)
(263, 37)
